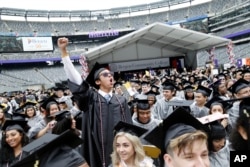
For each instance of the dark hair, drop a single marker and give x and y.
(186, 97)
(48, 107)
(63, 125)
(7, 153)
(238, 143)
(215, 104)
(30, 106)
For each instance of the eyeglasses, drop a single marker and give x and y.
(106, 74)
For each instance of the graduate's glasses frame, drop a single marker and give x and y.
(106, 74)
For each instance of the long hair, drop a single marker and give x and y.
(188, 98)
(2, 121)
(63, 125)
(238, 143)
(47, 111)
(7, 152)
(139, 154)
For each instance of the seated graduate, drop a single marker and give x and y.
(240, 89)
(64, 121)
(53, 150)
(143, 117)
(219, 151)
(127, 147)
(182, 140)
(217, 105)
(29, 110)
(47, 123)
(162, 109)
(240, 137)
(13, 140)
(198, 108)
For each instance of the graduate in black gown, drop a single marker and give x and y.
(53, 150)
(13, 140)
(100, 115)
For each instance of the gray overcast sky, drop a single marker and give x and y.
(71, 4)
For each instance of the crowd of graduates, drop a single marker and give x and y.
(152, 122)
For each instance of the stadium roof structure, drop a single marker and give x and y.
(156, 40)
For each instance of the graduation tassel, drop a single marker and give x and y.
(36, 163)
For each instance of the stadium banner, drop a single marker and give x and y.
(37, 44)
(99, 34)
(137, 65)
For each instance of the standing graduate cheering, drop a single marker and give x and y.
(100, 115)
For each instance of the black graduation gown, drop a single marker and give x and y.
(98, 121)
(61, 156)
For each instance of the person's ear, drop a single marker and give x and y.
(98, 82)
(242, 132)
(168, 160)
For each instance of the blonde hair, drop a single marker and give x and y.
(139, 154)
(185, 140)
(2, 121)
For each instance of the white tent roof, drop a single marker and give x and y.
(153, 41)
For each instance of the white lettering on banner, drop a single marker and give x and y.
(142, 64)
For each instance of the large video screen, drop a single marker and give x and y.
(25, 44)
(196, 25)
(199, 23)
(10, 44)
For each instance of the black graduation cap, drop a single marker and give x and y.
(41, 148)
(61, 115)
(129, 128)
(155, 88)
(175, 125)
(203, 90)
(245, 71)
(144, 83)
(238, 71)
(244, 109)
(47, 101)
(19, 116)
(217, 100)
(118, 84)
(94, 74)
(215, 130)
(60, 86)
(186, 83)
(27, 104)
(143, 104)
(168, 85)
(220, 75)
(238, 85)
(152, 93)
(216, 84)
(188, 88)
(15, 125)
(178, 123)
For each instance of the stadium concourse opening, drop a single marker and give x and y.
(155, 41)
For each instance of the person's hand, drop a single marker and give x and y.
(51, 125)
(224, 123)
(62, 44)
